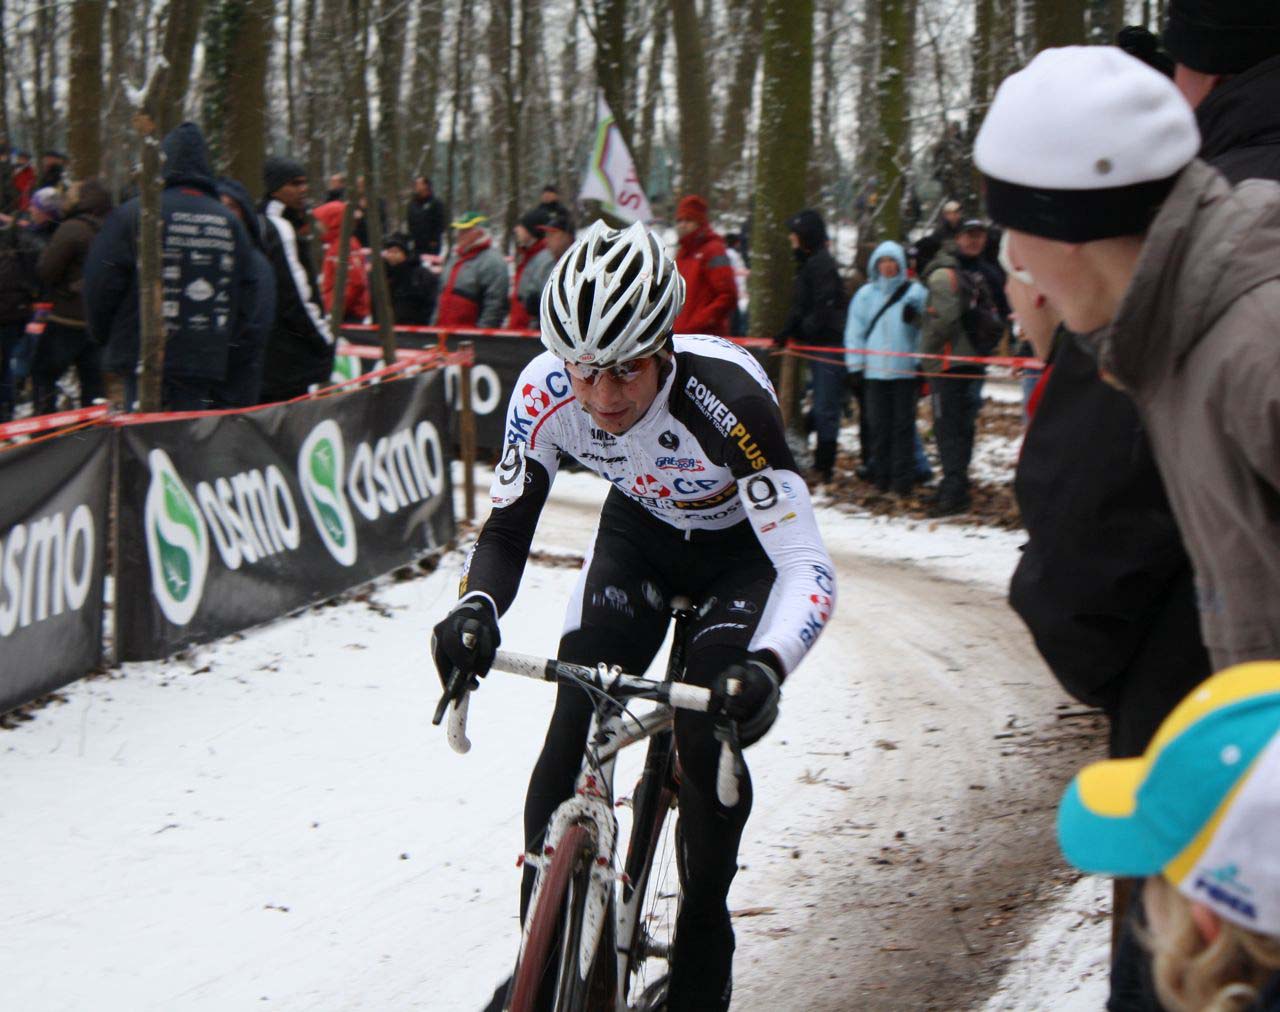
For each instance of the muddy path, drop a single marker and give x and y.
(935, 851)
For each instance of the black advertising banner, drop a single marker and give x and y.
(230, 520)
(499, 360)
(53, 533)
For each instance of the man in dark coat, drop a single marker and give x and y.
(301, 346)
(426, 217)
(413, 287)
(210, 289)
(235, 197)
(817, 318)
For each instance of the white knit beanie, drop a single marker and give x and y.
(1083, 143)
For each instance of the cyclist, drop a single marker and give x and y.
(706, 501)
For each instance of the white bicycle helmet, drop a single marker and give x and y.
(612, 297)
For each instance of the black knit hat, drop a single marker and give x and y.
(400, 241)
(278, 171)
(533, 218)
(1222, 36)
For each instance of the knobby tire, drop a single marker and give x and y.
(548, 926)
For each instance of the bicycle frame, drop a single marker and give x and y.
(592, 804)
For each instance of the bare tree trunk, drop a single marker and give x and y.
(531, 33)
(652, 88)
(748, 18)
(84, 95)
(786, 104)
(896, 22)
(461, 59)
(503, 101)
(694, 100)
(1059, 23)
(290, 111)
(392, 22)
(424, 90)
(179, 48)
(613, 63)
(116, 117)
(245, 128)
(161, 91)
(39, 44)
(311, 94)
(4, 76)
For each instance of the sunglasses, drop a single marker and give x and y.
(623, 372)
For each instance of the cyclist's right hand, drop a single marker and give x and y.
(466, 639)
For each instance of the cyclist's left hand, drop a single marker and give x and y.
(755, 705)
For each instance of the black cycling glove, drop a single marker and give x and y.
(475, 619)
(755, 705)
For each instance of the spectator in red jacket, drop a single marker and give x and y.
(355, 308)
(711, 292)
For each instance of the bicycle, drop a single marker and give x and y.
(583, 909)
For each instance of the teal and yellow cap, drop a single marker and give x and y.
(1201, 806)
(469, 219)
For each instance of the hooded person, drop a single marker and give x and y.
(61, 272)
(817, 317)
(209, 283)
(711, 291)
(882, 333)
(356, 306)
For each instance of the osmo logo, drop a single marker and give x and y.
(321, 466)
(177, 541)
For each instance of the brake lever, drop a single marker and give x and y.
(454, 692)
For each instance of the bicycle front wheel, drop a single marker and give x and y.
(547, 976)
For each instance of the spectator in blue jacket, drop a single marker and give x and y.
(882, 335)
(210, 287)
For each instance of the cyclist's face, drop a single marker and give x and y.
(615, 405)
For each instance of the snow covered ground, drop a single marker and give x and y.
(271, 821)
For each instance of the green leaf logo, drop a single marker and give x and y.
(177, 541)
(321, 472)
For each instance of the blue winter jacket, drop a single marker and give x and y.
(891, 332)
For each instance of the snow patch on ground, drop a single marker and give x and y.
(1064, 965)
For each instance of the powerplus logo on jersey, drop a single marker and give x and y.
(725, 420)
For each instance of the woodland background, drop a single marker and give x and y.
(865, 109)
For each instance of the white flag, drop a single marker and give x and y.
(611, 174)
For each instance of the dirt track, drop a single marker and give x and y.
(942, 852)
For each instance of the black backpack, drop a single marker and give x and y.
(979, 314)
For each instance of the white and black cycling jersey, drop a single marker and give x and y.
(709, 454)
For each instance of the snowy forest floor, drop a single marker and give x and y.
(270, 821)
